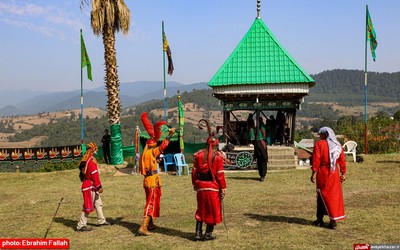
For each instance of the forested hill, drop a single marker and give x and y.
(347, 87)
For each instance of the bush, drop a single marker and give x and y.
(57, 166)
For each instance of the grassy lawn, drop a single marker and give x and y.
(275, 214)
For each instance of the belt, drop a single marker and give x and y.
(150, 173)
(204, 177)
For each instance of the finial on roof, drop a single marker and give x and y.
(258, 8)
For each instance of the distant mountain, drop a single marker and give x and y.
(41, 103)
(345, 87)
(171, 91)
(131, 93)
(10, 110)
(13, 97)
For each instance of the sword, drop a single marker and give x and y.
(48, 229)
(223, 214)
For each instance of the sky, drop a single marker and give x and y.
(40, 43)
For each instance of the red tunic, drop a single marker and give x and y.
(91, 183)
(208, 192)
(328, 182)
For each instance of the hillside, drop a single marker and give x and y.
(347, 87)
(331, 98)
(25, 102)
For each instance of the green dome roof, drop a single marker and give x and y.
(259, 59)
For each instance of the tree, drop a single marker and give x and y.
(106, 18)
(396, 116)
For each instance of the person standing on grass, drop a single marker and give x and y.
(106, 140)
(260, 149)
(149, 160)
(328, 160)
(208, 181)
(91, 188)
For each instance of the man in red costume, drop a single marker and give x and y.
(208, 180)
(327, 156)
(91, 188)
(148, 168)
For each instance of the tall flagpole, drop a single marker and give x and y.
(165, 88)
(365, 85)
(82, 131)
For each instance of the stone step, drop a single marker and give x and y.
(282, 162)
(281, 167)
(279, 158)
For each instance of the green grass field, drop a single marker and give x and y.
(275, 214)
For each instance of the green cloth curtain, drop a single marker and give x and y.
(116, 152)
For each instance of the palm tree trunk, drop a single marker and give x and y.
(113, 101)
(112, 83)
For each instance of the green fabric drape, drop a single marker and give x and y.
(116, 152)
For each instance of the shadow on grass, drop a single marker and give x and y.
(174, 232)
(133, 227)
(242, 178)
(66, 222)
(277, 218)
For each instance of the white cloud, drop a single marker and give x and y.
(49, 20)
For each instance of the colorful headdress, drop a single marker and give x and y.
(153, 131)
(91, 147)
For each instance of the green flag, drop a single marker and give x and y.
(181, 123)
(85, 61)
(371, 35)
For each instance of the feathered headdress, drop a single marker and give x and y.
(153, 131)
(212, 140)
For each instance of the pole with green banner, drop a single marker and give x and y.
(85, 62)
(373, 43)
(181, 123)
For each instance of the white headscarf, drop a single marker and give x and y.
(334, 146)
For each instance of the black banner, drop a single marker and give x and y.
(41, 154)
(252, 105)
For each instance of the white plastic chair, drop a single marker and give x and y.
(350, 149)
(181, 164)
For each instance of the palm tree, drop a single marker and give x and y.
(106, 18)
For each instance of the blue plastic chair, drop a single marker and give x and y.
(168, 160)
(181, 164)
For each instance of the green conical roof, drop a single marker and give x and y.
(259, 59)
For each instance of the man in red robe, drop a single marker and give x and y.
(328, 161)
(91, 188)
(208, 180)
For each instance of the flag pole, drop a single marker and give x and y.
(365, 85)
(165, 89)
(179, 121)
(82, 131)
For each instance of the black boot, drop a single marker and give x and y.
(208, 234)
(332, 224)
(199, 231)
(319, 222)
